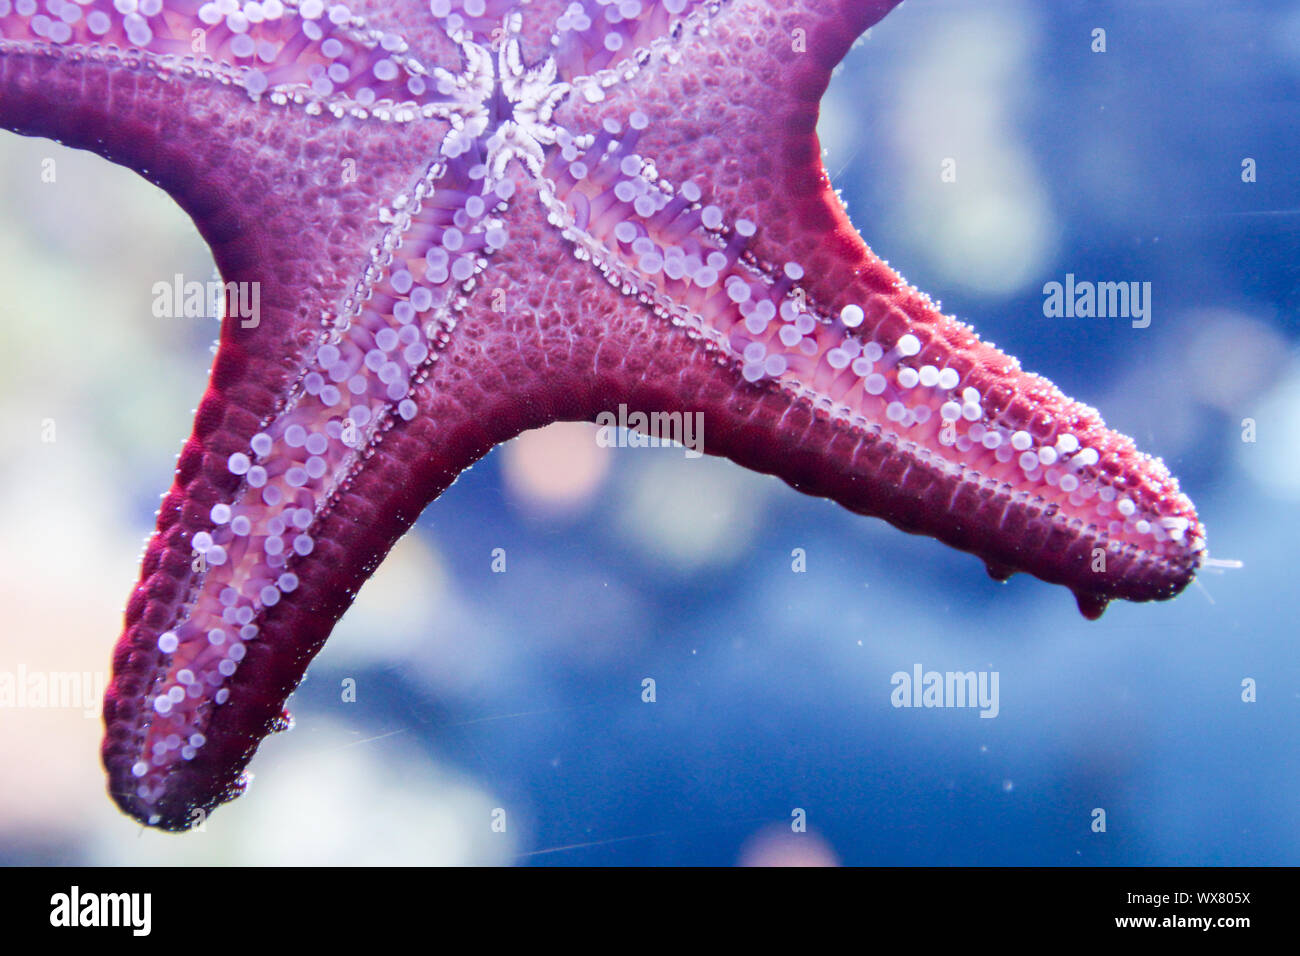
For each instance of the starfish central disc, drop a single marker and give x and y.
(531, 97)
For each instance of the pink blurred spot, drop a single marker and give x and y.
(778, 845)
(556, 469)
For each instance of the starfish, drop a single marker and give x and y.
(461, 219)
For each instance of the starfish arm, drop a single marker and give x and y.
(883, 404)
(297, 207)
(752, 141)
(299, 479)
(325, 62)
(874, 398)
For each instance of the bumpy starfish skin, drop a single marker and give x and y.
(469, 218)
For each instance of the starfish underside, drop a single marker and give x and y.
(469, 218)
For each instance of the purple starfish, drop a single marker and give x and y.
(442, 224)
